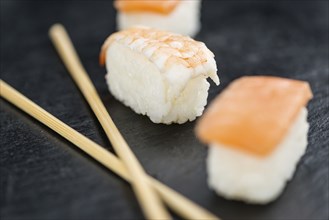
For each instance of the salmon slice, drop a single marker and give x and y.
(177, 49)
(162, 7)
(254, 113)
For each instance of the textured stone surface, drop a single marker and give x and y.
(45, 177)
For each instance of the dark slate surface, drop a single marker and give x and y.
(45, 177)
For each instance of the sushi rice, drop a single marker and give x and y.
(238, 175)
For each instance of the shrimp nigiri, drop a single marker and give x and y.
(159, 74)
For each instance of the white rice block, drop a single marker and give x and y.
(173, 95)
(184, 19)
(236, 175)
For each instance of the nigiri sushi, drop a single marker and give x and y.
(179, 16)
(257, 132)
(159, 74)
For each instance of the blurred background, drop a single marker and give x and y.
(44, 177)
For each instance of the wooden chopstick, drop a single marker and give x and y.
(181, 205)
(152, 206)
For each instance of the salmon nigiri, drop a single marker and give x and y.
(257, 132)
(179, 16)
(159, 74)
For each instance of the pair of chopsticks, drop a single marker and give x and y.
(147, 189)
(174, 200)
